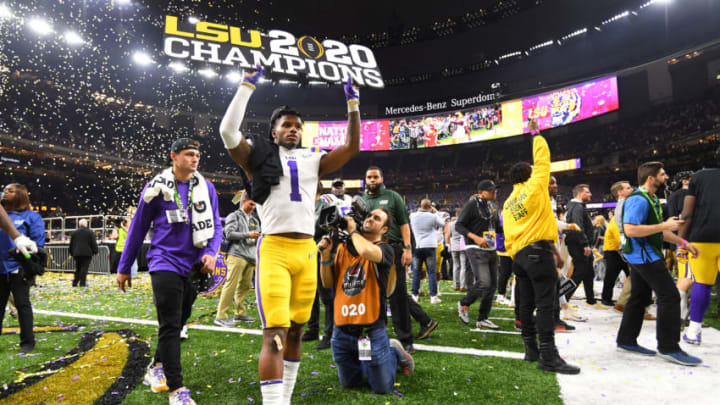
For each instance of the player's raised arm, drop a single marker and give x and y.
(234, 141)
(335, 160)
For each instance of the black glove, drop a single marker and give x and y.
(30, 267)
(200, 281)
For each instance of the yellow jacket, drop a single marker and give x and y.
(612, 236)
(527, 213)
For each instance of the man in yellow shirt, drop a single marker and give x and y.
(611, 246)
(530, 235)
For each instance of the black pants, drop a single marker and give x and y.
(583, 272)
(14, 283)
(82, 264)
(324, 295)
(505, 263)
(645, 279)
(484, 266)
(613, 264)
(400, 301)
(536, 277)
(173, 296)
(114, 260)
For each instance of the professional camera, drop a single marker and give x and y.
(331, 219)
(677, 180)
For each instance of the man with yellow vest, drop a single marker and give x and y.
(611, 246)
(530, 235)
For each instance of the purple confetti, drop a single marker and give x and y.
(314, 373)
(250, 399)
(398, 393)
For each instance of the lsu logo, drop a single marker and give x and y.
(310, 47)
(564, 107)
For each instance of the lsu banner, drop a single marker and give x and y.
(278, 51)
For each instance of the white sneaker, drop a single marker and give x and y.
(571, 315)
(435, 300)
(463, 313)
(184, 333)
(415, 298)
(181, 397)
(155, 378)
(486, 324)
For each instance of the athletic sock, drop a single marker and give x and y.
(272, 392)
(694, 328)
(699, 301)
(290, 370)
(684, 311)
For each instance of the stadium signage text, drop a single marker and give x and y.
(442, 105)
(278, 51)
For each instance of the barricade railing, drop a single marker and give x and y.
(59, 259)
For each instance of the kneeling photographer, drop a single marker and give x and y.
(363, 276)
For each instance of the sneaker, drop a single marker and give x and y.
(486, 324)
(463, 313)
(607, 303)
(324, 344)
(409, 348)
(155, 378)
(563, 327)
(692, 339)
(184, 332)
(636, 349)
(435, 299)
(518, 325)
(225, 322)
(574, 316)
(406, 361)
(681, 358)
(243, 318)
(415, 298)
(27, 348)
(309, 336)
(619, 308)
(181, 397)
(597, 305)
(426, 330)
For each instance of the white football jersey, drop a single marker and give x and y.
(344, 203)
(290, 207)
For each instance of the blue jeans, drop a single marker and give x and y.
(426, 255)
(380, 370)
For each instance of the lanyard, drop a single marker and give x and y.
(178, 201)
(656, 207)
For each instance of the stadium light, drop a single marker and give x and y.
(207, 73)
(193, 20)
(233, 77)
(5, 11)
(40, 25)
(142, 59)
(73, 38)
(178, 67)
(122, 2)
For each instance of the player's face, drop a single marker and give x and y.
(338, 191)
(288, 131)
(553, 186)
(375, 222)
(373, 180)
(186, 160)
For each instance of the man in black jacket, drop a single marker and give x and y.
(83, 247)
(478, 222)
(578, 243)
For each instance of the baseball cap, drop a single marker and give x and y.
(184, 143)
(486, 185)
(338, 182)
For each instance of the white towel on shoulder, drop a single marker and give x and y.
(202, 214)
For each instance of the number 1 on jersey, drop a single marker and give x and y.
(294, 181)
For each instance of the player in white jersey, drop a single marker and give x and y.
(338, 197)
(286, 273)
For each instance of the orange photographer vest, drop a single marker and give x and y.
(357, 291)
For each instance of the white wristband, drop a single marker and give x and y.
(353, 105)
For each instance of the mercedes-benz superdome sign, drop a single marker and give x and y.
(277, 51)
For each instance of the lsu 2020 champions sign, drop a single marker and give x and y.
(277, 50)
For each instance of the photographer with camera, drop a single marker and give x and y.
(363, 276)
(29, 227)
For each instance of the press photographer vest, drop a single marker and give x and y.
(654, 217)
(357, 290)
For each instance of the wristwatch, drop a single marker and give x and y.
(407, 247)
